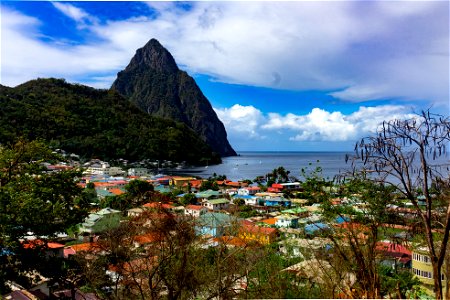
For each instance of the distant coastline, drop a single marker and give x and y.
(250, 164)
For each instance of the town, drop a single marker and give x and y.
(140, 222)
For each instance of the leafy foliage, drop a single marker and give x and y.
(188, 199)
(209, 184)
(35, 202)
(94, 123)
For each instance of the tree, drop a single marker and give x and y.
(278, 175)
(188, 199)
(354, 242)
(33, 200)
(138, 188)
(209, 184)
(405, 154)
(160, 254)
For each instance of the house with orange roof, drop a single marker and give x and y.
(236, 184)
(270, 221)
(231, 241)
(195, 210)
(195, 184)
(262, 235)
(84, 247)
(116, 191)
(50, 248)
(159, 205)
(145, 239)
(351, 230)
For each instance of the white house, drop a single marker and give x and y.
(249, 200)
(216, 204)
(195, 210)
(291, 186)
(247, 191)
(104, 169)
(138, 172)
(287, 221)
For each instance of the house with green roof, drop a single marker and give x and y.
(297, 211)
(103, 193)
(216, 204)
(213, 224)
(209, 194)
(100, 221)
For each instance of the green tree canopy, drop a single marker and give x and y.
(33, 202)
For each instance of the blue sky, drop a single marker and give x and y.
(293, 76)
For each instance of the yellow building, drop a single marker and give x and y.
(179, 181)
(422, 268)
(262, 235)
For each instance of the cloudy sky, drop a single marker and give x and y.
(284, 76)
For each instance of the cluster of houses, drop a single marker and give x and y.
(295, 226)
(290, 223)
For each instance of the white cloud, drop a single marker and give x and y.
(321, 125)
(364, 50)
(249, 123)
(241, 120)
(25, 56)
(75, 13)
(71, 11)
(317, 125)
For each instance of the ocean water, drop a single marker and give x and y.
(249, 165)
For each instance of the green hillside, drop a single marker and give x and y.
(94, 123)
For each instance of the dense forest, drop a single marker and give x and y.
(94, 123)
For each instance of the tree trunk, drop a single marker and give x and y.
(437, 281)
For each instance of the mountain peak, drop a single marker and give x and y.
(154, 56)
(153, 82)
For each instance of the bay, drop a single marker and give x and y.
(249, 165)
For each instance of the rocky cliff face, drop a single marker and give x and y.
(154, 83)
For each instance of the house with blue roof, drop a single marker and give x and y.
(316, 228)
(279, 202)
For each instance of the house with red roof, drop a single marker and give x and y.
(394, 254)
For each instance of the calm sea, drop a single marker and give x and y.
(249, 165)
